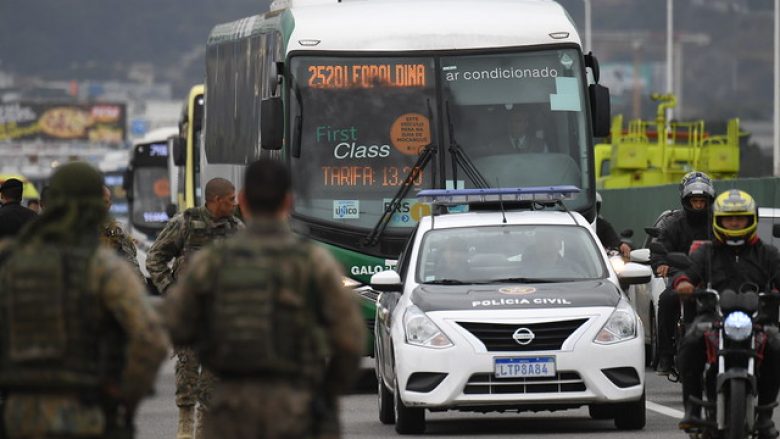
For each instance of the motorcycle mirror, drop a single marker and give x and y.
(654, 232)
(657, 248)
(678, 260)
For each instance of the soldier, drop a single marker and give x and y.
(182, 236)
(264, 310)
(115, 237)
(79, 348)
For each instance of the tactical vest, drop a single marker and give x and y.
(199, 234)
(263, 317)
(54, 331)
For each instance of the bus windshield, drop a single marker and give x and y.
(151, 190)
(358, 125)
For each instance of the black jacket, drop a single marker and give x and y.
(13, 216)
(678, 233)
(606, 233)
(733, 266)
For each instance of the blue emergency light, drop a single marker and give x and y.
(470, 196)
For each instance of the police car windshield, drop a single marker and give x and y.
(509, 254)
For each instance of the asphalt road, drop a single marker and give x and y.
(157, 417)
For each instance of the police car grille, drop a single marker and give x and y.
(548, 336)
(487, 384)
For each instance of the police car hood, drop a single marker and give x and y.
(516, 296)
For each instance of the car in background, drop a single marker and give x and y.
(507, 311)
(645, 296)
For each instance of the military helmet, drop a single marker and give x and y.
(734, 202)
(75, 181)
(696, 183)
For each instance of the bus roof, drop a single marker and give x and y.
(413, 25)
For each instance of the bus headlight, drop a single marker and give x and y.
(738, 326)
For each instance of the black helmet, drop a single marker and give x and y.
(696, 184)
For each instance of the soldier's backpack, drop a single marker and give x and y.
(53, 328)
(264, 319)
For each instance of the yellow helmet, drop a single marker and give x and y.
(734, 202)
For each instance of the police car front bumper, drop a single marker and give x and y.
(587, 372)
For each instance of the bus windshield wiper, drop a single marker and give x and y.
(415, 172)
(459, 157)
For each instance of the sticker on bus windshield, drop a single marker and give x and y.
(566, 96)
(410, 133)
(346, 209)
(408, 212)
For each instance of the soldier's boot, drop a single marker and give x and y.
(186, 422)
(200, 417)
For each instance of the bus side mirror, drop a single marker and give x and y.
(127, 183)
(171, 209)
(179, 151)
(271, 123)
(599, 109)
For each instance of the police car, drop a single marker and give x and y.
(507, 311)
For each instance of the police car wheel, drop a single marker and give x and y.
(408, 420)
(631, 415)
(601, 411)
(386, 403)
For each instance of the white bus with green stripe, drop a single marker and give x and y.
(371, 101)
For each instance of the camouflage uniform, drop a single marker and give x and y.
(114, 236)
(185, 234)
(79, 348)
(266, 311)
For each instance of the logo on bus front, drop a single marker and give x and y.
(346, 209)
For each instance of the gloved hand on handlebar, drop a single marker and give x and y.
(685, 288)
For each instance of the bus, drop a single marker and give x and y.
(370, 101)
(147, 186)
(184, 162)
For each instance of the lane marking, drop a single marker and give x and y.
(664, 410)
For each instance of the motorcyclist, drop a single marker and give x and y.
(677, 235)
(735, 257)
(606, 233)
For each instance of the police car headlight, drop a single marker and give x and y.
(738, 326)
(620, 326)
(421, 331)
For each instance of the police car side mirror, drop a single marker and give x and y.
(633, 273)
(641, 255)
(386, 281)
(776, 230)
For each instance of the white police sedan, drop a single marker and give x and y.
(521, 310)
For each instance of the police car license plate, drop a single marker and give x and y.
(524, 367)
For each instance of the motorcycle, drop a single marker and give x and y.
(735, 343)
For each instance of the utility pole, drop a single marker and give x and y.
(588, 27)
(670, 52)
(777, 92)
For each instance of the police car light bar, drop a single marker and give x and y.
(470, 196)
